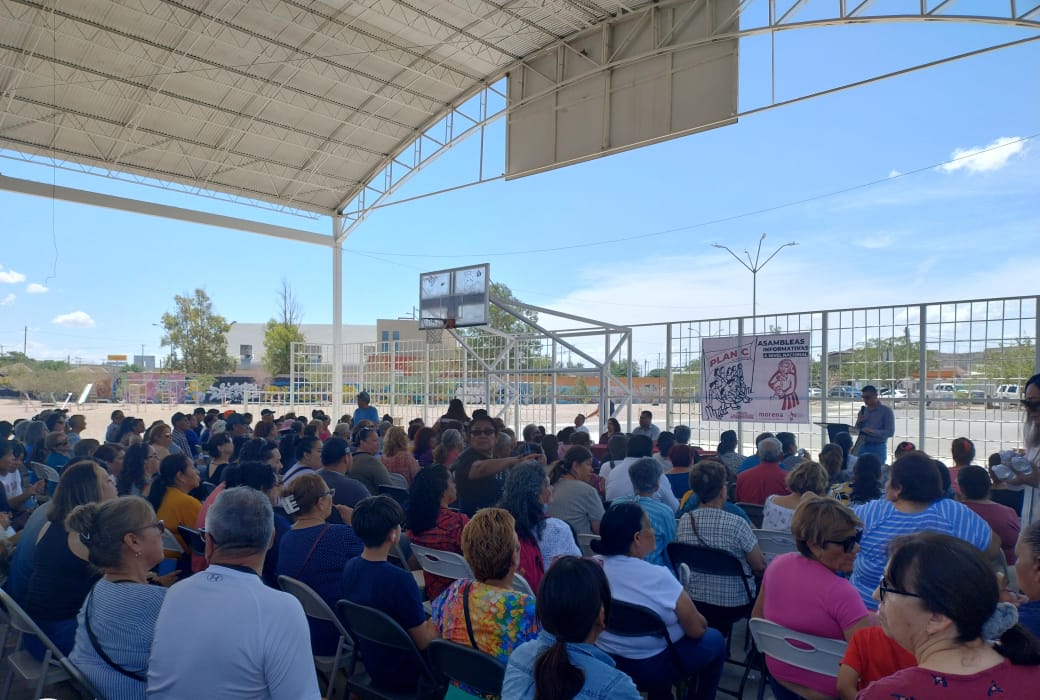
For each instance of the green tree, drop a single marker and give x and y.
(1010, 362)
(581, 389)
(620, 369)
(878, 360)
(282, 332)
(488, 345)
(196, 336)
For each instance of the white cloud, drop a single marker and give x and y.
(7, 300)
(75, 319)
(876, 242)
(34, 288)
(10, 276)
(984, 159)
(893, 173)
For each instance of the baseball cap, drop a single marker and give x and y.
(267, 412)
(363, 396)
(334, 450)
(286, 425)
(905, 446)
(177, 417)
(234, 419)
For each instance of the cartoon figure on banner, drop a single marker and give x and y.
(727, 390)
(783, 383)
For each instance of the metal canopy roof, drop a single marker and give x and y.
(294, 102)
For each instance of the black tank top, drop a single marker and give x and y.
(60, 580)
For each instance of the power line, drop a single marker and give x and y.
(710, 222)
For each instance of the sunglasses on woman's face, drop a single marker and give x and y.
(850, 542)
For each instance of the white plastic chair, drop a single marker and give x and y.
(398, 480)
(585, 540)
(445, 564)
(774, 543)
(520, 585)
(818, 654)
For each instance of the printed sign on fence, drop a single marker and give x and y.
(761, 378)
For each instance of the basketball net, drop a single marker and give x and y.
(435, 334)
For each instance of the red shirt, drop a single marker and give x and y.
(872, 654)
(760, 482)
(1004, 522)
(444, 536)
(1002, 681)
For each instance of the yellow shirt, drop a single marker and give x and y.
(178, 508)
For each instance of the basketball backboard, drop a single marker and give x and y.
(459, 294)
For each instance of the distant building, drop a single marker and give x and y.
(246, 340)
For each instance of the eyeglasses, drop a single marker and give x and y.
(1030, 405)
(158, 525)
(850, 542)
(484, 431)
(884, 588)
(152, 456)
(330, 493)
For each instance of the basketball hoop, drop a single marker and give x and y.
(435, 329)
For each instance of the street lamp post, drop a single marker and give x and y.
(754, 267)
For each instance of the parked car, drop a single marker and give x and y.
(1007, 394)
(845, 392)
(815, 392)
(888, 393)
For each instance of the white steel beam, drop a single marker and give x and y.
(95, 199)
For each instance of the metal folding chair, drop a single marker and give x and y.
(314, 606)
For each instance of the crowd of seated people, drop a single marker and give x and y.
(313, 500)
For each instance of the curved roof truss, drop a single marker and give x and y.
(319, 106)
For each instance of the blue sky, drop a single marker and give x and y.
(88, 282)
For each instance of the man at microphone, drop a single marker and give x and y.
(876, 424)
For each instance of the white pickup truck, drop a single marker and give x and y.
(1007, 394)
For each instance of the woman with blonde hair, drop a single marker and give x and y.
(805, 591)
(115, 625)
(805, 480)
(397, 454)
(485, 612)
(160, 438)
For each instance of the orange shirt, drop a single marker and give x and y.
(874, 655)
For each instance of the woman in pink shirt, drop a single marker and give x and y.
(803, 592)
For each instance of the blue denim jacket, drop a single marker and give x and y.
(602, 680)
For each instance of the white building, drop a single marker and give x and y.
(246, 340)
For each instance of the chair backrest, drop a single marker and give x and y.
(471, 667)
(446, 564)
(207, 487)
(705, 560)
(585, 540)
(196, 542)
(631, 620)
(24, 624)
(817, 654)
(397, 493)
(774, 542)
(313, 604)
(520, 585)
(398, 480)
(754, 512)
(372, 625)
